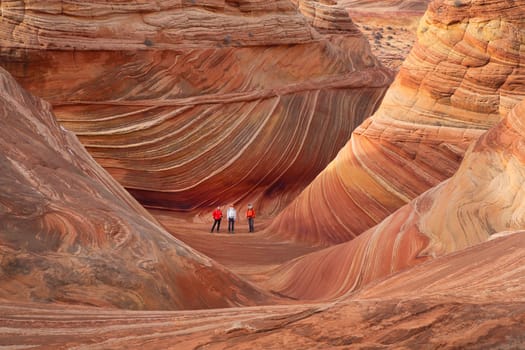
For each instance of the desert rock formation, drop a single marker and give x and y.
(194, 104)
(472, 299)
(389, 25)
(483, 198)
(385, 5)
(457, 301)
(429, 190)
(69, 233)
(462, 77)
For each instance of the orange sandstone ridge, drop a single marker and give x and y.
(462, 77)
(483, 198)
(195, 104)
(70, 234)
(386, 5)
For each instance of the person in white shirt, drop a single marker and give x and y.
(231, 214)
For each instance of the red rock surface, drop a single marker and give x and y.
(69, 233)
(483, 198)
(443, 271)
(190, 105)
(386, 5)
(473, 299)
(462, 77)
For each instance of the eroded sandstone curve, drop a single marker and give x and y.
(463, 76)
(385, 5)
(190, 105)
(69, 233)
(479, 289)
(483, 198)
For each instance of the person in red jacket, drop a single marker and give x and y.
(217, 216)
(250, 214)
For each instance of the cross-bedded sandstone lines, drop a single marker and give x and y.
(69, 233)
(483, 198)
(470, 299)
(462, 77)
(190, 106)
(386, 5)
(435, 220)
(113, 25)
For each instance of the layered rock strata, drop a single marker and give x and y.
(327, 17)
(190, 105)
(462, 77)
(69, 233)
(484, 198)
(470, 300)
(385, 5)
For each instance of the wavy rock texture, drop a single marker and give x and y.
(195, 104)
(473, 299)
(470, 300)
(463, 76)
(386, 5)
(69, 233)
(484, 197)
(327, 17)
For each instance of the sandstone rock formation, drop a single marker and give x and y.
(197, 103)
(484, 197)
(462, 77)
(385, 5)
(473, 299)
(444, 269)
(69, 233)
(327, 17)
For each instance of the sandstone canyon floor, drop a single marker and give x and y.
(455, 302)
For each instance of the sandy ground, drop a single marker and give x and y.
(250, 255)
(391, 34)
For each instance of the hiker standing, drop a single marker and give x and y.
(217, 216)
(231, 214)
(250, 214)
